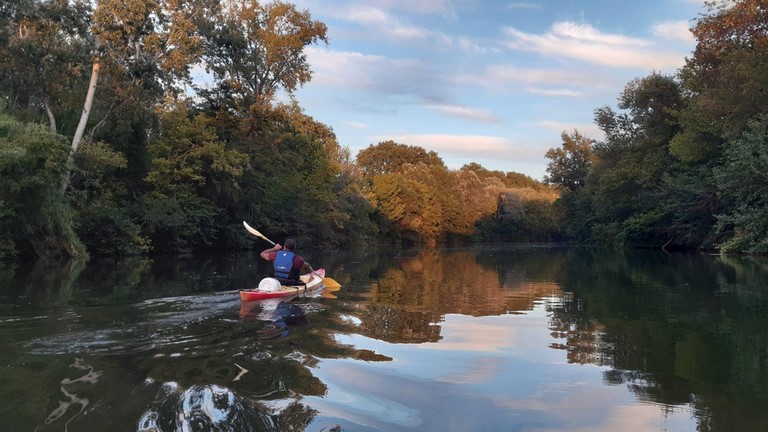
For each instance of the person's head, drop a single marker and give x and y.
(290, 245)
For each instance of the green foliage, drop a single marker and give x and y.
(743, 180)
(179, 223)
(683, 162)
(105, 219)
(191, 176)
(107, 229)
(569, 165)
(530, 221)
(187, 155)
(32, 213)
(42, 46)
(631, 192)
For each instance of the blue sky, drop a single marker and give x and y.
(492, 82)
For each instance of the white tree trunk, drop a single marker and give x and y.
(51, 117)
(81, 125)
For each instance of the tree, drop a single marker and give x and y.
(192, 178)
(42, 46)
(386, 191)
(390, 157)
(32, 215)
(253, 50)
(725, 77)
(569, 165)
(743, 181)
(316, 131)
(475, 198)
(147, 43)
(630, 194)
(726, 72)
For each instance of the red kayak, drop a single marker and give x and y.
(314, 282)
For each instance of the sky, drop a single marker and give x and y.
(488, 81)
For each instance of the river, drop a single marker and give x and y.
(496, 338)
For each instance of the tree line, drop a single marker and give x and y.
(684, 161)
(109, 146)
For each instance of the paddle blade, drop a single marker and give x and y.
(255, 232)
(330, 283)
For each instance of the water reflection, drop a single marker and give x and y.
(210, 407)
(69, 389)
(493, 338)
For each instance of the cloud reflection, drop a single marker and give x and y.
(493, 372)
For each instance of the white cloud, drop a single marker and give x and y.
(548, 82)
(584, 42)
(555, 92)
(587, 33)
(448, 42)
(384, 24)
(674, 30)
(465, 146)
(379, 74)
(466, 113)
(440, 7)
(355, 125)
(380, 23)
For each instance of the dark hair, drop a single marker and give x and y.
(290, 245)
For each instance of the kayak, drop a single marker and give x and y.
(312, 282)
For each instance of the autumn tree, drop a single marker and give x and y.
(476, 198)
(726, 71)
(391, 157)
(254, 49)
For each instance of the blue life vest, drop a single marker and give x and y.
(284, 264)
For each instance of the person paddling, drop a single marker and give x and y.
(287, 264)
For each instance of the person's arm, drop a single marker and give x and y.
(265, 253)
(306, 268)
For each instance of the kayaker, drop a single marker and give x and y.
(287, 264)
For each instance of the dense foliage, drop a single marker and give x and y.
(109, 146)
(683, 161)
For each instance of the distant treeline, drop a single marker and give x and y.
(107, 146)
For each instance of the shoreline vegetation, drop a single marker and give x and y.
(108, 147)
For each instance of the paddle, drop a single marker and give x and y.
(327, 282)
(255, 232)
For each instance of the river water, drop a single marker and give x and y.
(498, 338)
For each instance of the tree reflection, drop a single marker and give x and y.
(675, 329)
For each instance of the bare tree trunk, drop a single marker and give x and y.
(81, 125)
(51, 117)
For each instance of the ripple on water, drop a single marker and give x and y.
(173, 322)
